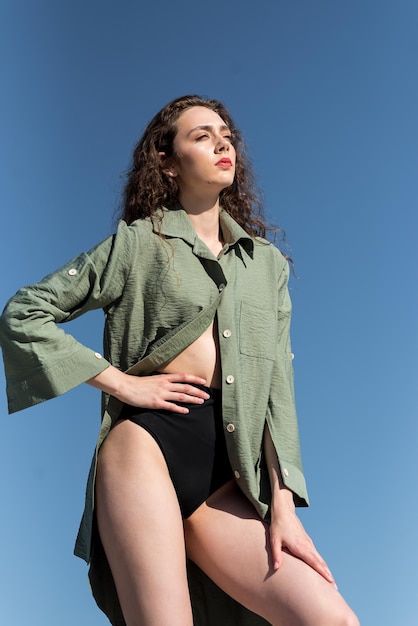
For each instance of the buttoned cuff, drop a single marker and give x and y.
(43, 385)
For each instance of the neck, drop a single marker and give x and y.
(204, 216)
(195, 204)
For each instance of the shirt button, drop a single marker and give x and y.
(285, 472)
(292, 356)
(230, 428)
(230, 379)
(72, 271)
(227, 333)
(98, 355)
(237, 474)
(221, 287)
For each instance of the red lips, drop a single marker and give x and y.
(224, 163)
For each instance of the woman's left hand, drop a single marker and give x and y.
(288, 533)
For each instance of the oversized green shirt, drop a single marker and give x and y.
(160, 288)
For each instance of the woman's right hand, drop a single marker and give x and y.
(159, 391)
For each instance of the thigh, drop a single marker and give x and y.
(141, 528)
(230, 543)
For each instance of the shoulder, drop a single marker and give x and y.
(135, 248)
(125, 241)
(270, 252)
(137, 231)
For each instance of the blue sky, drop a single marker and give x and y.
(326, 93)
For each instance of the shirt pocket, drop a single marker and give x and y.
(257, 331)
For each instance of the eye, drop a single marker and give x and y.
(199, 137)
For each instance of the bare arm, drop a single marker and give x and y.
(160, 391)
(286, 530)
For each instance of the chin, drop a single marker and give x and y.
(223, 184)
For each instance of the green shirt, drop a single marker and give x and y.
(160, 287)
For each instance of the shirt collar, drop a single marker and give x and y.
(175, 223)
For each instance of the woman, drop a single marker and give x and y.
(198, 455)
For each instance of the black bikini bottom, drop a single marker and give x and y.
(193, 446)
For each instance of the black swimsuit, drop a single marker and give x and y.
(193, 446)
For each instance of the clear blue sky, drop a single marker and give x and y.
(326, 93)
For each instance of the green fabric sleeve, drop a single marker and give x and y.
(281, 414)
(41, 360)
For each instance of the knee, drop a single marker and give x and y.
(338, 614)
(346, 617)
(352, 620)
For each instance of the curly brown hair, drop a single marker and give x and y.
(148, 189)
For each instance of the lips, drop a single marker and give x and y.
(224, 163)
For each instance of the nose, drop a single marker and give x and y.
(223, 144)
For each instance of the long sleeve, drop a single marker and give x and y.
(281, 413)
(41, 360)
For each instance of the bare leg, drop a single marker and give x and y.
(141, 529)
(230, 543)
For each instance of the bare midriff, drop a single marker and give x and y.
(201, 358)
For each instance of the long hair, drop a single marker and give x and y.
(148, 188)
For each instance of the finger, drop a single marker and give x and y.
(184, 398)
(312, 557)
(187, 393)
(184, 378)
(318, 564)
(324, 570)
(174, 401)
(174, 408)
(276, 545)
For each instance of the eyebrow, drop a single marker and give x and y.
(208, 127)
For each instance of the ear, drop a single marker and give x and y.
(167, 165)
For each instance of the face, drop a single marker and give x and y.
(204, 157)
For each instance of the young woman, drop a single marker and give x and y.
(197, 469)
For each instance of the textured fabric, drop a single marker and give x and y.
(160, 287)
